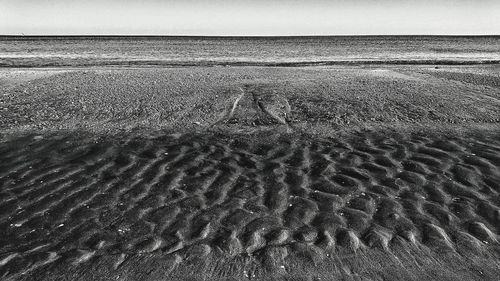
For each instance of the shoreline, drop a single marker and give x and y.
(19, 64)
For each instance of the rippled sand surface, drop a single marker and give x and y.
(351, 173)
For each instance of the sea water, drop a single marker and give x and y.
(223, 51)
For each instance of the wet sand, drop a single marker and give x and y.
(351, 173)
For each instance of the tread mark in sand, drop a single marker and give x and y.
(259, 106)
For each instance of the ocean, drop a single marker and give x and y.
(82, 51)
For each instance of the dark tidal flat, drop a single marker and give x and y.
(333, 172)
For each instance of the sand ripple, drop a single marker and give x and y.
(73, 199)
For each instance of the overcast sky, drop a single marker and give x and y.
(247, 17)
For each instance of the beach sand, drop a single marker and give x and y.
(248, 173)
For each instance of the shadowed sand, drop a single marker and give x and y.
(266, 180)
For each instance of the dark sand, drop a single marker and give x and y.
(335, 173)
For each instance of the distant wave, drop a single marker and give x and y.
(22, 63)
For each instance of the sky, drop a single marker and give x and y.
(249, 17)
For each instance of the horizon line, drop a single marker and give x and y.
(249, 36)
